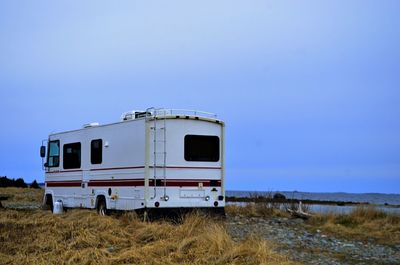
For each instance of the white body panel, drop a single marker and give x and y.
(127, 177)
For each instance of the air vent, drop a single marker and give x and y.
(134, 114)
(90, 125)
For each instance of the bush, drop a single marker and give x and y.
(346, 220)
(279, 196)
(34, 185)
(6, 182)
(20, 183)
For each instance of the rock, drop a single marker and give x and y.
(348, 245)
(297, 221)
(279, 196)
(111, 249)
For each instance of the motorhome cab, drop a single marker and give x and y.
(154, 159)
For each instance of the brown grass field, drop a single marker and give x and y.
(255, 210)
(82, 237)
(21, 196)
(365, 223)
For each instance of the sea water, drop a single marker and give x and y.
(379, 199)
(372, 198)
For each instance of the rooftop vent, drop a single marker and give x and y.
(90, 125)
(134, 114)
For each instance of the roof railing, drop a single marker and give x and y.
(162, 112)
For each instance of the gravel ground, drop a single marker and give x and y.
(293, 240)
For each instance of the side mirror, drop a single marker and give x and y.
(42, 151)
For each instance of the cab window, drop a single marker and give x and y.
(53, 156)
(72, 155)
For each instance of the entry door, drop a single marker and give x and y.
(85, 195)
(72, 163)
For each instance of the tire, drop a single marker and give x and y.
(49, 202)
(101, 207)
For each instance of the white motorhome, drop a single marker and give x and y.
(154, 159)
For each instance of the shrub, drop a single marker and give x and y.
(6, 182)
(34, 185)
(279, 196)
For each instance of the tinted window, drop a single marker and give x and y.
(201, 148)
(96, 151)
(53, 157)
(72, 155)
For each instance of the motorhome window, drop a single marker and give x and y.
(201, 148)
(72, 155)
(96, 151)
(53, 157)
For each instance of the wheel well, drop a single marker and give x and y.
(99, 199)
(48, 200)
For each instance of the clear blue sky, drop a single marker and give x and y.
(309, 90)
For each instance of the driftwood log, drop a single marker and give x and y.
(299, 212)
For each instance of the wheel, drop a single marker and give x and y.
(101, 208)
(49, 202)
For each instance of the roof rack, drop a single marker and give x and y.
(163, 112)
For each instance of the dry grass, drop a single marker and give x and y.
(82, 237)
(363, 223)
(256, 210)
(21, 196)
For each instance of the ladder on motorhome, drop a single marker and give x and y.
(159, 144)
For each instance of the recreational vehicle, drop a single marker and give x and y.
(153, 160)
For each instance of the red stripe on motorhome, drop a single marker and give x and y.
(183, 167)
(140, 182)
(115, 168)
(63, 171)
(186, 183)
(124, 168)
(117, 182)
(136, 182)
(63, 184)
